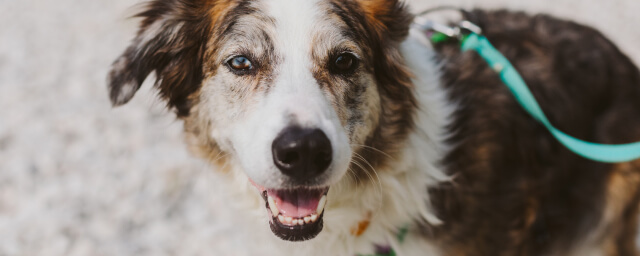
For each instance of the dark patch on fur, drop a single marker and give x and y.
(347, 89)
(354, 99)
(380, 27)
(517, 191)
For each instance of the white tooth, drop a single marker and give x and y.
(321, 204)
(294, 222)
(287, 219)
(314, 217)
(307, 219)
(300, 222)
(281, 218)
(273, 206)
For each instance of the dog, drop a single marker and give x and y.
(350, 134)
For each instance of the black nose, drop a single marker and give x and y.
(302, 153)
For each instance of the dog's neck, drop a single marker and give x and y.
(361, 215)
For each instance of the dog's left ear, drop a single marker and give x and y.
(391, 18)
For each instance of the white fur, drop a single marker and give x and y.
(294, 99)
(295, 95)
(396, 198)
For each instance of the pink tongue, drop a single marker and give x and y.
(296, 203)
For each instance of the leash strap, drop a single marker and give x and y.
(606, 153)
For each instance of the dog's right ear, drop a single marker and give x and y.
(170, 42)
(130, 70)
(126, 77)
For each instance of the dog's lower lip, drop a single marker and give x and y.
(297, 233)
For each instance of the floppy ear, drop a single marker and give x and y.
(390, 21)
(171, 42)
(391, 18)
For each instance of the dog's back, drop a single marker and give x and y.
(517, 191)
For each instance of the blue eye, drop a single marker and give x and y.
(240, 63)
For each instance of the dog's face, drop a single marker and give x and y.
(293, 92)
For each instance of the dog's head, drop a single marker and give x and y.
(295, 93)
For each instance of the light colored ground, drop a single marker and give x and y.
(80, 178)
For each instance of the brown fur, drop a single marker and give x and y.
(384, 25)
(621, 209)
(517, 191)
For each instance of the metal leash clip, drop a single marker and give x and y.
(433, 28)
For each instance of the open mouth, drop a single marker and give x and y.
(296, 214)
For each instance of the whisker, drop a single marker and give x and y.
(373, 170)
(374, 150)
(370, 177)
(354, 176)
(221, 156)
(378, 184)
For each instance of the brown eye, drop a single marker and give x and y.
(240, 64)
(345, 63)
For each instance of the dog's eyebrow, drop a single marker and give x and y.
(230, 21)
(256, 32)
(243, 8)
(351, 18)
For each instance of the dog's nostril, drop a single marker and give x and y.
(302, 153)
(290, 158)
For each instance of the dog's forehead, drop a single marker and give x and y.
(288, 26)
(298, 19)
(303, 27)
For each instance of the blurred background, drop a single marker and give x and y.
(80, 178)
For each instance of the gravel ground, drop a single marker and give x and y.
(80, 178)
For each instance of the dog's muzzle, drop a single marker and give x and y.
(303, 155)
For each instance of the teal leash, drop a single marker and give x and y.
(470, 36)
(607, 153)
